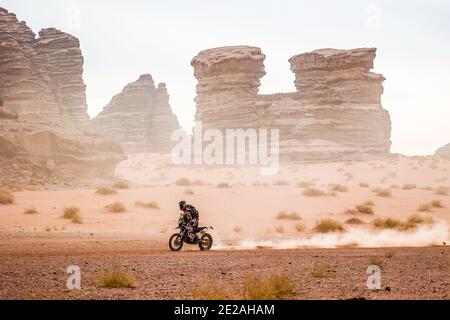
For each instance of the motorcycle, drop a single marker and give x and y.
(204, 239)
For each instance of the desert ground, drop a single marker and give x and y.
(338, 216)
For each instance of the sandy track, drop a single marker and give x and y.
(38, 271)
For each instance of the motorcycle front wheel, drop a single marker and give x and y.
(175, 242)
(206, 242)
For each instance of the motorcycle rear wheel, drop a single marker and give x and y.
(206, 242)
(175, 242)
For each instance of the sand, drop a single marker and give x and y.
(244, 217)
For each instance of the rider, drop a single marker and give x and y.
(191, 217)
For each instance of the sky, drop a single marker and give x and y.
(122, 39)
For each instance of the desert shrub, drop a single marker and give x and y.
(390, 223)
(30, 211)
(424, 207)
(288, 216)
(383, 193)
(183, 182)
(121, 185)
(116, 207)
(304, 184)
(281, 183)
(416, 219)
(355, 221)
(409, 186)
(279, 229)
(273, 287)
(442, 191)
(437, 203)
(117, 279)
(362, 208)
(6, 197)
(70, 212)
(237, 229)
(369, 203)
(15, 187)
(189, 191)
(148, 205)
(319, 271)
(377, 261)
(300, 227)
(338, 187)
(105, 191)
(313, 192)
(364, 185)
(223, 185)
(328, 225)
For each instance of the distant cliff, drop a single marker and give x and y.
(139, 118)
(336, 112)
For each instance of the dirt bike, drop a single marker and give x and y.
(203, 239)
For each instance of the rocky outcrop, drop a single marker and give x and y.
(47, 154)
(139, 118)
(41, 78)
(336, 112)
(443, 151)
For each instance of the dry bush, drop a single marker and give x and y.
(389, 254)
(30, 211)
(106, 191)
(121, 185)
(117, 279)
(313, 192)
(183, 182)
(15, 187)
(279, 229)
(416, 219)
(223, 185)
(304, 184)
(338, 187)
(362, 208)
(364, 185)
(328, 225)
(369, 203)
(147, 205)
(237, 229)
(390, 223)
(377, 261)
(72, 213)
(424, 207)
(437, 204)
(383, 193)
(409, 186)
(442, 191)
(189, 191)
(273, 287)
(354, 221)
(116, 207)
(288, 216)
(319, 271)
(6, 197)
(281, 183)
(300, 227)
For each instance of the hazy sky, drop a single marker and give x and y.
(122, 39)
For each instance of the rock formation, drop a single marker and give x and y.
(443, 151)
(41, 79)
(41, 87)
(335, 113)
(139, 118)
(47, 154)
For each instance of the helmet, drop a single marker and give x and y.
(182, 204)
